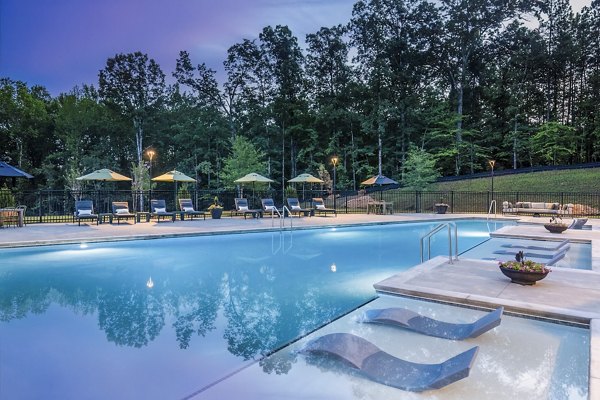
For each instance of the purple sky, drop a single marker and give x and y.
(63, 43)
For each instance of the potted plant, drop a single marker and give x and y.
(556, 225)
(441, 207)
(523, 272)
(216, 209)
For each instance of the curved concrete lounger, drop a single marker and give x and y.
(548, 248)
(432, 327)
(384, 368)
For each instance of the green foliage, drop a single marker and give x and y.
(554, 142)
(419, 170)
(290, 191)
(6, 197)
(245, 158)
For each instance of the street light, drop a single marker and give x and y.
(492, 164)
(334, 161)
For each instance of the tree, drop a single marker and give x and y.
(419, 169)
(134, 85)
(244, 159)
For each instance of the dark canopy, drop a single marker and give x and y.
(13, 172)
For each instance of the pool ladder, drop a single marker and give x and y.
(492, 206)
(435, 230)
(282, 217)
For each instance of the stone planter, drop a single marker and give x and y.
(523, 277)
(216, 212)
(440, 208)
(556, 228)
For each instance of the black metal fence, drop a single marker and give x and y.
(58, 205)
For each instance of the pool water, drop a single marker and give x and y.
(165, 318)
(554, 253)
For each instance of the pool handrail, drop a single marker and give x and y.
(435, 230)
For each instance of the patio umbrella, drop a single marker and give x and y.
(174, 176)
(12, 172)
(105, 175)
(379, 180)
(305, 178)
(253, 177)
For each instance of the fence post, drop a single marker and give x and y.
(40, 205)
(452, 201)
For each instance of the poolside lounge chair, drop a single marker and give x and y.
(578, 223)
(158, 209)
(120, 210)
(268, 206)
(241, 207)
(187, 209)
(320, 208)
(84, 210)
(384, 368)
(294, 204)
(407, 319)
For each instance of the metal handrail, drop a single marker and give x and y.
(492, 204)
(435, 230)
(281, 217)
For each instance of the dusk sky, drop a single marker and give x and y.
(63, 43)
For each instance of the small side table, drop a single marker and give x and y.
(102, 217)
(144, 214)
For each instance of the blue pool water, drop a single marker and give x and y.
(84, 321)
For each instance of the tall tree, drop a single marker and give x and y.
(134, 85)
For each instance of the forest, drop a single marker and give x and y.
(459, 82)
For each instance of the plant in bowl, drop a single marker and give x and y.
(216, 209)
(523, 272)
(556, 225)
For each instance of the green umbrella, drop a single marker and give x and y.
(253, 177)
(103, 175)
(305, 178)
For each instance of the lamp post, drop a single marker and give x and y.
(150, 154)
(334, 161)
(492, 163)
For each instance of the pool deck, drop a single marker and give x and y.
(570, 295)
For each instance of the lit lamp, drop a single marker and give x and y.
(492, 164)
(334, 161)
(150, 154)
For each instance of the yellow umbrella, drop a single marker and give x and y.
(103, 175)
(174, 176)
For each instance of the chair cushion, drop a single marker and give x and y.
(320, 206)
(244, 208)
(160, 210)
(84, 212)
(122, 211)
(270, 208)
(296, 208)
(188, 209)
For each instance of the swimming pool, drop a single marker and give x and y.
(163, 318)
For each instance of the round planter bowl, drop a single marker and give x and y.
(215, 213)
(522, 277)
(556, 228)
(441, 208)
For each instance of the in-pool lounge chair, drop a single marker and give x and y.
(187, 209)
(295, 208)
(120, 210)
(158, 209)
(407, 319)
(241, 207)
(84, 210)
(268, 206)
(320, 208)
(384, 368)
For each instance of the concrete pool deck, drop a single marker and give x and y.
(571, 295)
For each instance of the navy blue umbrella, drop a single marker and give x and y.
(13, 172)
